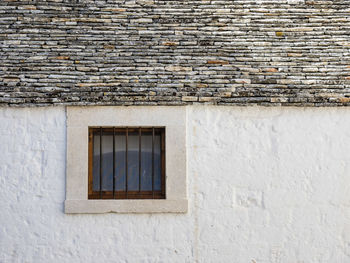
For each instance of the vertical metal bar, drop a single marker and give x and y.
(114, 179)
(126, 161)
(139, 160)
(153, 162)
(101, 163)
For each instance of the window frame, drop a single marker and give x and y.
(80, 118)
(127, 194)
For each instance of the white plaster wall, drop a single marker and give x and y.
(264, 184)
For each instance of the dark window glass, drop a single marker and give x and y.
(126, 163)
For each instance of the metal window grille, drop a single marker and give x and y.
(126, 163)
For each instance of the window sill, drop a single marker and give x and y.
(125, 206)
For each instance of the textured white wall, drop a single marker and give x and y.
(265, 185)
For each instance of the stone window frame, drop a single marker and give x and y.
(80, 118)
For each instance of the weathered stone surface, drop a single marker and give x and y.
(273, 52)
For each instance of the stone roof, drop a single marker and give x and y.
(137, 52)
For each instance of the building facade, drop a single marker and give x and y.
(252, 97)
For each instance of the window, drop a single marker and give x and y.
(130, 132)
(126, 163)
